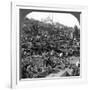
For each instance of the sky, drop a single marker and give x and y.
(66, 19)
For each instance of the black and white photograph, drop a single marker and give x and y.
(49, 43)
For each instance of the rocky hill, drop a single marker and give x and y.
(46, 48)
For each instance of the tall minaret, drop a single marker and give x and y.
(52, 18)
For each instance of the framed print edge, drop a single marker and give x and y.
(13, 46)
(15, 74)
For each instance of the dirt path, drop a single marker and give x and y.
(59, 74)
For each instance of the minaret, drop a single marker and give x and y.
(52, 18)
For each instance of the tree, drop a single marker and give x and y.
(76, 33)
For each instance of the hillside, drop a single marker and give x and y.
(47, 48)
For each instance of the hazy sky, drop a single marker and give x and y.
(63, 18)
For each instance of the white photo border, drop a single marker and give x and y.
(15, 81)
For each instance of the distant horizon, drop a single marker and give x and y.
(66, 19)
